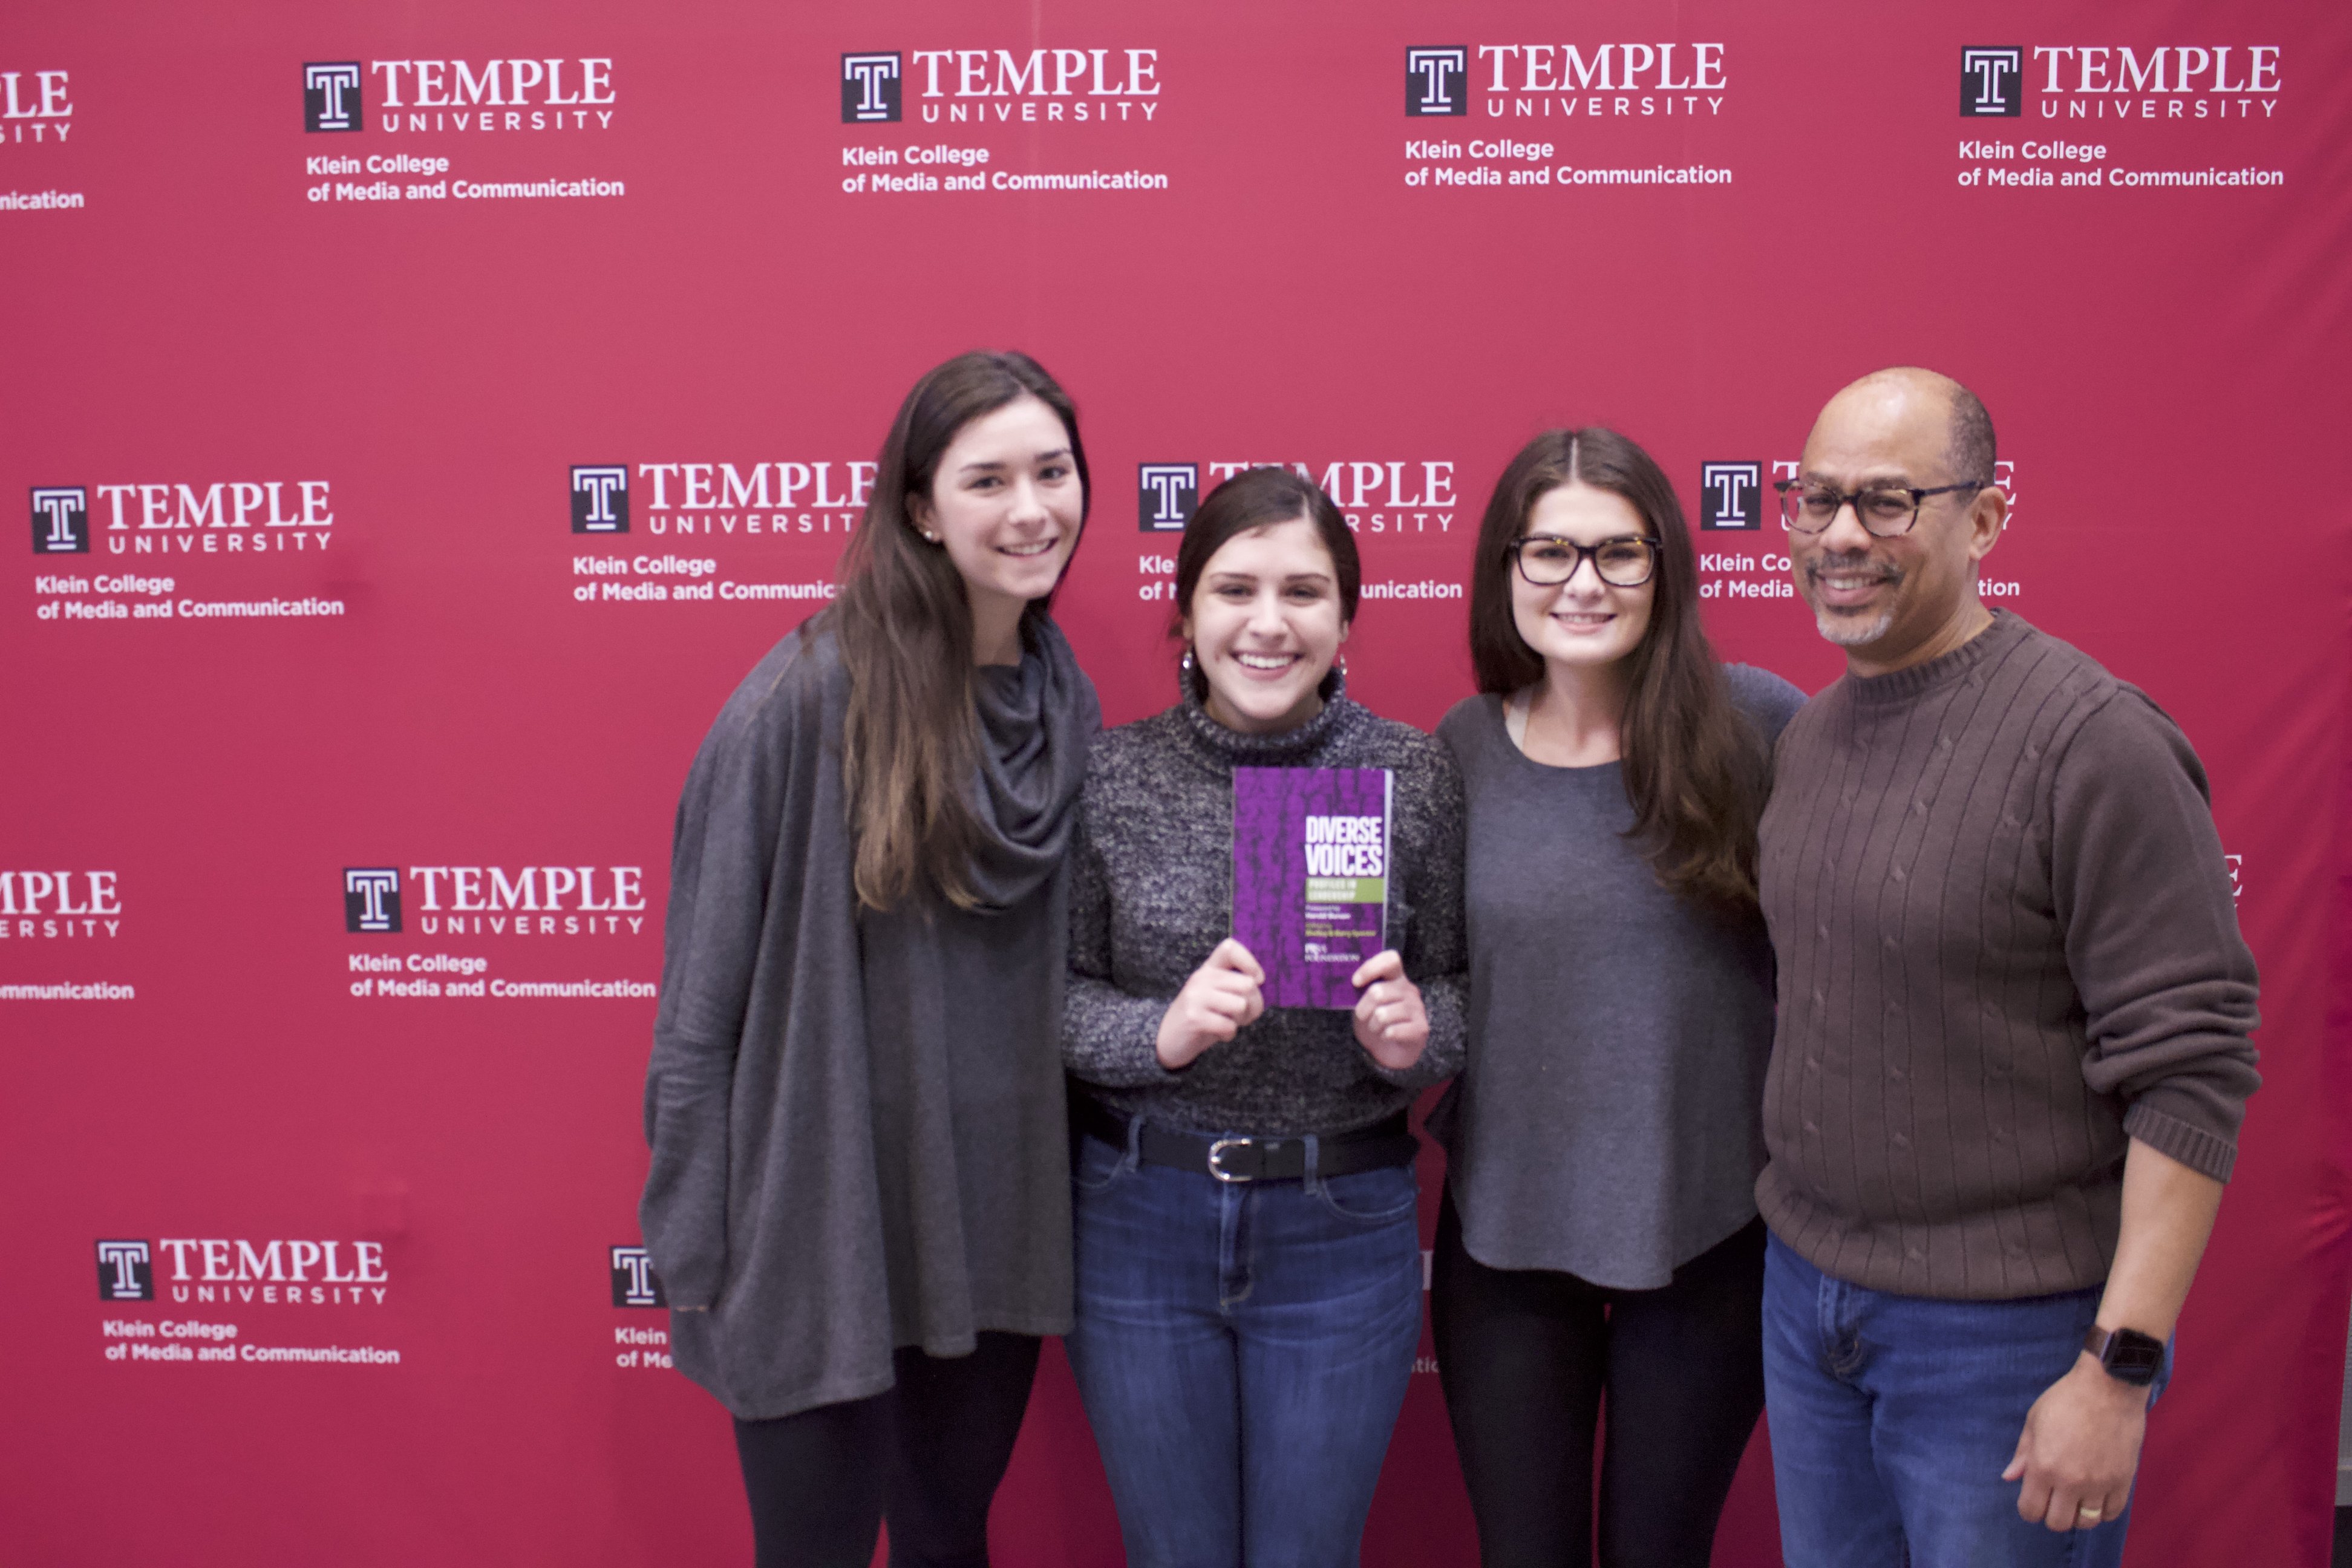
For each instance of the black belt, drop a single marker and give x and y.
(1231, 1159)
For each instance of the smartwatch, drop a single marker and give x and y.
(2126, 1354)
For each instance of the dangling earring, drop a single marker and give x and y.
(1340, 664)
(1185, 670)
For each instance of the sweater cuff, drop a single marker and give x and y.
(2205, 1152)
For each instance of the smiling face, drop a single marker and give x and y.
(1005, 504)
(1889, 602)
(1265, 626)
(1584, 621)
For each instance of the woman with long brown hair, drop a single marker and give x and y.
(1249, 1275)
(1599, 1233)
(859, 1196)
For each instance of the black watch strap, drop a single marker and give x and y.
(2128, 1355)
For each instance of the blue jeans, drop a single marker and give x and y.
(1892, 1417)
(1243, 1352)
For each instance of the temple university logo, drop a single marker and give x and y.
(1730, 495)
(1437, 82)
(30, 110)
(1167, 497)
(869, 89)
(330, 96)
(600, 499)
(634, 1283)
(371, 899)
(1992, 82)
(126, 1271)
(60, 520)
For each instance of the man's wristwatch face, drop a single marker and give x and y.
(2128, 1355)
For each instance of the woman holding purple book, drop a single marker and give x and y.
(1248, 1258)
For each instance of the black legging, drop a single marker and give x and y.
(1524, 1356)
(927, 1454)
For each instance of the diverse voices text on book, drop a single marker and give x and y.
(1311, 878)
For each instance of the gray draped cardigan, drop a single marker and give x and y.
(858, 1121)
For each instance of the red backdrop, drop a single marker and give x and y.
(330, 329)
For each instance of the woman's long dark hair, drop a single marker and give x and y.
(910, 740)
(1695, 766)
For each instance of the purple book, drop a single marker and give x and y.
(1311, 878)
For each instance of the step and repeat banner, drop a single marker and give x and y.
(421, 417)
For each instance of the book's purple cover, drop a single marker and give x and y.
(1310, 878)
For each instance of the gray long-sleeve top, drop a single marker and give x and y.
(1606, 1125)
(1151, 896)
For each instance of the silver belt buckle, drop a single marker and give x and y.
(1216, 1153)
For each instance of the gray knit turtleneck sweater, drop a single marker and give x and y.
(1151, 895)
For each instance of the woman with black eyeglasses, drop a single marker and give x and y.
(1599, 1233)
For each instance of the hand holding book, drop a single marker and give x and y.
(1392, 1022)
(1227, 991)
(1219, 997)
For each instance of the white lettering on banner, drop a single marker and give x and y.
(1034, 87)
(488, 900)
(962, 157)
(34, 108)
(213, 517)
(225, 1260)
(193, 1340)
(45, 99)
(478, 888)
(456, 990)
(62, 905)
(1609, 81)
(2118, 69)
(1382, 496)
(53, 892)
(95, 991)
(1041, 73)
(708, 487)
(785, 498)
(280, 1271)
(455, 976)
(224, 503)
(1615, 106)
(441, 97)
(1089, 180)
(1658, 80)
(1990, 171)
(2146, 83)
(449, 84)
(1606, 68)
(436, 962)
(1078, 87)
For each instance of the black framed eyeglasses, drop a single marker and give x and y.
(1547, 561)
(1885, 510)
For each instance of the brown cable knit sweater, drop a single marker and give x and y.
(2007, 944)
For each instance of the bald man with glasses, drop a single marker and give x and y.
(2011, 1059)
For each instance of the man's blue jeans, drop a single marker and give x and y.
(1243, 1352)
(1892, 1417)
